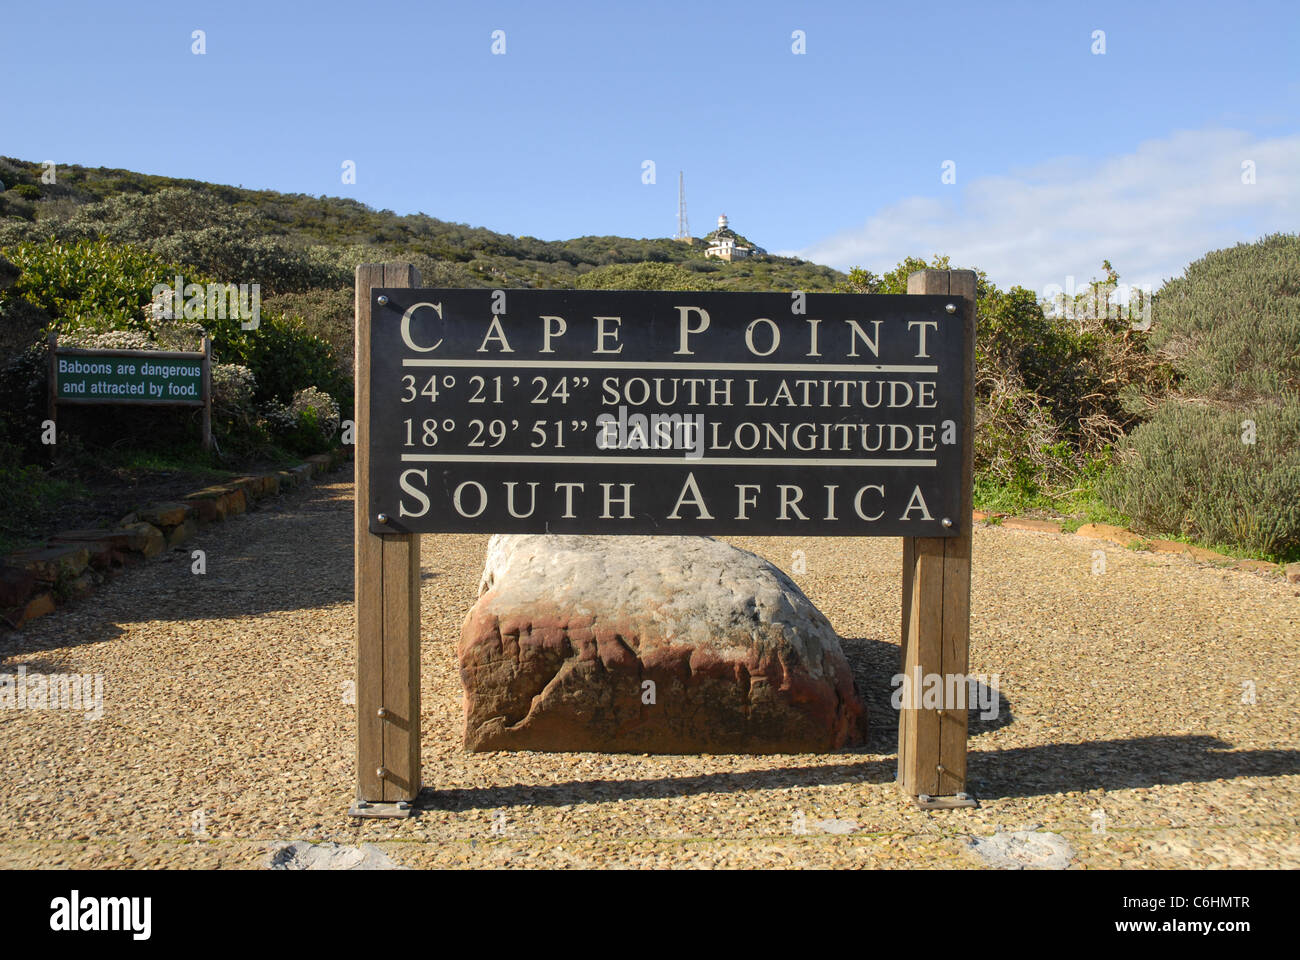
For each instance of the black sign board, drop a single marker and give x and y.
(546, 411)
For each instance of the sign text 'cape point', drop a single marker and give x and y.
(610, 412)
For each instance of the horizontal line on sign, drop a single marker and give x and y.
(114, 398)
(139, 354)
(679, 461)
(674, 365)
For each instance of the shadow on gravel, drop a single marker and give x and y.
(33, 666)
(1022, 772)
(1119, 765)
(17, 643)
(875, 663)
(290, 553)
(588, 791)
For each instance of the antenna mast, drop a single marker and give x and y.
(683, 227)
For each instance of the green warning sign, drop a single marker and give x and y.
(114, 377)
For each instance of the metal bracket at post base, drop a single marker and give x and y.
(381, 810)
(927, 802)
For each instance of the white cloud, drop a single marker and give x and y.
(1150, 212)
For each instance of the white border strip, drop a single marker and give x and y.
(673, 365)
(678, 461)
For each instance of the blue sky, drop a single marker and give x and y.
(1062, 156)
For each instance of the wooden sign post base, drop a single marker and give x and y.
(387, 584)
(936, 602)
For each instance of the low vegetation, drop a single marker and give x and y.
(1188, 426)
(1218, 456)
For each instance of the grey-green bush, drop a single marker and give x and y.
(1231, 328)
(1191, 470)
(642, 276)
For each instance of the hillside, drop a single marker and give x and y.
(84, 254)
(467, 256)
(1188, 427)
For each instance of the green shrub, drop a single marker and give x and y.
(1049, 389)
(29, 491)
(233, 389)
(642, 276)
(284, 357)
(86, 284)
(97, 286)
(1230, 327)
(99, 294)
(318, 417)
(1188, 472)
(229, 252)
(234, 412)
(8, 274)
(1231, 323)
(206, 234)
(110, 340)
(440, 271)
(22, 323)
(24, 398)
(1018, 440)
(325, 313)
(306, 426)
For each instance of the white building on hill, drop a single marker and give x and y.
(723, 245)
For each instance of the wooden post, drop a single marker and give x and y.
(51, 391)
(206, 347)
(936, 593)
(387, 584)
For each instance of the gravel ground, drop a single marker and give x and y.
(226, 729)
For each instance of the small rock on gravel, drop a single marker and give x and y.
(302, 855)
(1024, 850)
(836, 826)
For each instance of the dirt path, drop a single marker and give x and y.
(1126, 724)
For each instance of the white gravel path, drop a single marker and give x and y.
(225, 731)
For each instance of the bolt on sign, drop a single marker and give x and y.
(607, 412)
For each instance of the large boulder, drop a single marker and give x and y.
(649, 645)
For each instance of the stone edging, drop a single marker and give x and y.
(73, 563)
(1127, 538)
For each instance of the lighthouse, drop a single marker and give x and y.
(723, 243)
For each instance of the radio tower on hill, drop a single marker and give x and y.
(683, 228)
